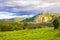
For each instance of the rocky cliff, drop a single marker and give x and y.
(45, 17)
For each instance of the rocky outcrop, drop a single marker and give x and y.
(45, 17)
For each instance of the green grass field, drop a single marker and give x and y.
(32, 34)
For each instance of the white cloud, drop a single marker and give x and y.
(25, 5)
(22, 5)
(7, 15)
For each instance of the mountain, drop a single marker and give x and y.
(45, 17)
(16, 19)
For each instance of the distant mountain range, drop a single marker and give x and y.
(16, 19)
(39, 18)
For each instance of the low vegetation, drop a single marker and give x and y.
(11, 26)
(34, 34)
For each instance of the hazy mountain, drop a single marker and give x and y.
(16, 19)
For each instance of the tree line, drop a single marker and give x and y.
(11, 26)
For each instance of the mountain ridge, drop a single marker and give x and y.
(45, 17)
(39, 18)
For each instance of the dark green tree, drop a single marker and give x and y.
(56, 23)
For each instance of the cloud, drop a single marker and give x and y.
(25, 5)
(14, 7)
(7, 15)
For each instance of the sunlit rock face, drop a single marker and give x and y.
(45, 17)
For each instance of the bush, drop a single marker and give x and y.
(31, 26)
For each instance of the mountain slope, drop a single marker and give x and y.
(45, 17)
(39, 18)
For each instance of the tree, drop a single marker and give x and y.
(56, 23)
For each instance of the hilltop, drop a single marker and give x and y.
(45, 17)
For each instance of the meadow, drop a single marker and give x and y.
(47, 33)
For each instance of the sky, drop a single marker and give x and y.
(18, 8)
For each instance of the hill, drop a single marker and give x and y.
(16, 19)
(45, 17)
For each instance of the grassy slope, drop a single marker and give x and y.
(34, 34)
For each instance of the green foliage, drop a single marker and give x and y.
(8, 26)
(31, 26)
(56, 23)
(11, 26)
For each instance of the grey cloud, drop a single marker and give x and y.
(51, 0)
(21, 5)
